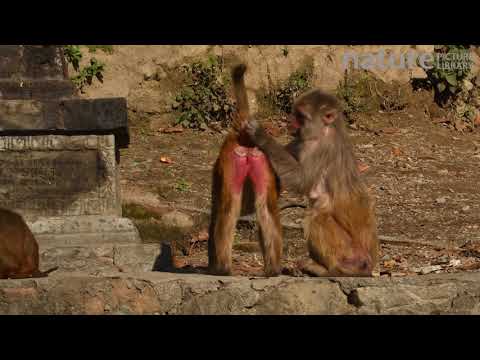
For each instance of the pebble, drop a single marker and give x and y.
(441, 200)
(429, 269)
(465, 208)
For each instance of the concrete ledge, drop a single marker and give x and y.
(165, 293)
(84, 230)
(94, 260)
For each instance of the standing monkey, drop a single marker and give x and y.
(340, 225)
(240, 170)
(18, 248)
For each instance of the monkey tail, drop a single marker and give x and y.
(240, 91)
(40, 274)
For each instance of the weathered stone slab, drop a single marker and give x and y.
(66, 187)
(59, 175)
(35, 89)
(33, 72)
(100, 259)
(67, 116)
(167, 293)
(32, 62)
(84, 230)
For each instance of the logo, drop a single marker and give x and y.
(381, 60)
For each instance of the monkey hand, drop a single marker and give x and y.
(252, 127)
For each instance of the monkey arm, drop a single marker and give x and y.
(287, 168)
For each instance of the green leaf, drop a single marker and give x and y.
(452, 79)
(441, 87)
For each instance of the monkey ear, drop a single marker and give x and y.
(330, 117)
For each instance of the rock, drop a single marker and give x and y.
(441, 200)
(429, 269)
(184, 294)
(160, 74)
(148, 71)
(468, 85)
(177, 219)
(386, 257)
(444, 259)
(454, 263)
(443, 172)
(466, 208)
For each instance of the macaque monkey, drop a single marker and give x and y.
(18, 248)
(243, 182)
(340, 225)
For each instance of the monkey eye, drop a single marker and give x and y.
(329, 117)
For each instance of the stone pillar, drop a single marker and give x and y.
(59, 154)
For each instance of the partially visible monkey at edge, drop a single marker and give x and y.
(340, 225)
(19, 256)
(242, 179)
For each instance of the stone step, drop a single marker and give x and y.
(98, 259)
(167, 293)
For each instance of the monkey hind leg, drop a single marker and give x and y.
(226, 207)
(270, 230)
(220, 259)
(270, 235)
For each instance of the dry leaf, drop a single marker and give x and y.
(170, 130)
(396, 151)
(362, 167)
(477, 120)
(390, 130)
(460, 125)
(166, 160)
(202, 235)
(440, 120)
(389, 263)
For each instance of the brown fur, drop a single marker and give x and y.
(18, 248)
(227, 206)
(340, 225)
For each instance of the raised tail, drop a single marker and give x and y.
(40, 274)
(240, 91)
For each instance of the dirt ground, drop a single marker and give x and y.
(423, 174)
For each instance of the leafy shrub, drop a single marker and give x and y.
(203, 99)
(446, 76)
(281, 98)
(95, 69)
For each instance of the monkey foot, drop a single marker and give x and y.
(311, 268)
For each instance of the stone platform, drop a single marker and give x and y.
(59, 153)
(166, 293)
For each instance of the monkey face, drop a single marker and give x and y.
(308, 124)
(314, 114)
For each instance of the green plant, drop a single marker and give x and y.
(203, 99)
(450, 66)
(105, 48)
(361, 92)
(281, 98)
(86, 74)
(182, 185)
